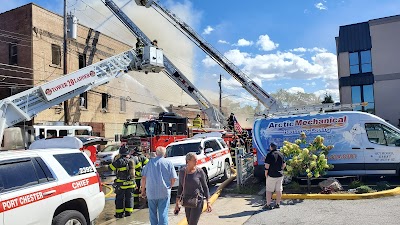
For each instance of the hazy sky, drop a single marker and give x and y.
(287, 44)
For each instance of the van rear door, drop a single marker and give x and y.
(382, 149)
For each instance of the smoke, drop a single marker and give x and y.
(177, 47)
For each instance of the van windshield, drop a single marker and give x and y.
(183, 149)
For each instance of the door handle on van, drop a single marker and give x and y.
(370, 148)
(49, 192)
(356, 148)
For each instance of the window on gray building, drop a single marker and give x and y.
(122, 105)
(13, 54)
(363, 93)
(55, 54)
(366, 62)
(360, 62)
(354, 63)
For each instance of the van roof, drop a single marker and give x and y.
(325, 113)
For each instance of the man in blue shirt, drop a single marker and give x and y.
(161, 176)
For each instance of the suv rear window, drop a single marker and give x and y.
(182, 149)
(73, 163)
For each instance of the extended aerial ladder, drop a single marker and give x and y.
(25, 105)
(248, 84)
(319, 108)
(214, 115)
(272, 106)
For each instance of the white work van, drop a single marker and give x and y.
(364, 144)
(213, 155)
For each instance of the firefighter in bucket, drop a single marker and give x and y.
(124, 184)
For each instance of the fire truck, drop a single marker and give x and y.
(168, 127)
(160, 131)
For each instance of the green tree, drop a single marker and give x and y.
(308, 159)
(327, 98)
(295, 99)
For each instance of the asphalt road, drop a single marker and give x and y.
(368, 211)
(141, 216)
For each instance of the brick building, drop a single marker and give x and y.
(31, 52)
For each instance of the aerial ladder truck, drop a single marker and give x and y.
(216, 118)
(25, 105)
(273, 107)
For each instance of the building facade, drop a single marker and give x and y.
(31, 53)
(368, 66)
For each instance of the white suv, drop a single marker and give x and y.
(49, 187)
(213, 155)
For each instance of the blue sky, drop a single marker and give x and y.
(287, 44)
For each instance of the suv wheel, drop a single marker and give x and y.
(227, 171)
(69, 217)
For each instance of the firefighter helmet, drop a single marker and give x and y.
(123, 150)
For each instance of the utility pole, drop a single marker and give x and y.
(220, 93)
(66, 111)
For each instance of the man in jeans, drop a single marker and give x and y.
(158, 177)
(274, 165)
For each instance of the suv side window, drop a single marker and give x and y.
(45, 169)
(207, 144)
(224, 145)
(74, 163)
(26, 174)
(214, 145)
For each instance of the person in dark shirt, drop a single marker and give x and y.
(274, 165)
(192, 182)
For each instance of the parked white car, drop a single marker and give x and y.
(213, 155)
(108, 154)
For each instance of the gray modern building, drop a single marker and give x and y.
(368, 56)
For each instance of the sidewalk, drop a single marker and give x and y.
(232, 209)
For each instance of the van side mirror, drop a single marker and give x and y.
(208, 150)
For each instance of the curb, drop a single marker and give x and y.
(379, 194)
(213, 198)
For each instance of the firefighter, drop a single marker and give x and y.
(124, 183)
(198, 122)
(139, 47)
(231, 122)
(155, 43)
(140, 162)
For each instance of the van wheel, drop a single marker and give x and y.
(207, 178)
(69, 217)
(227, 171)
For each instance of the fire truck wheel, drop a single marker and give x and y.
(227, 171)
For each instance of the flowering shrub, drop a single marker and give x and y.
(310, 160)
